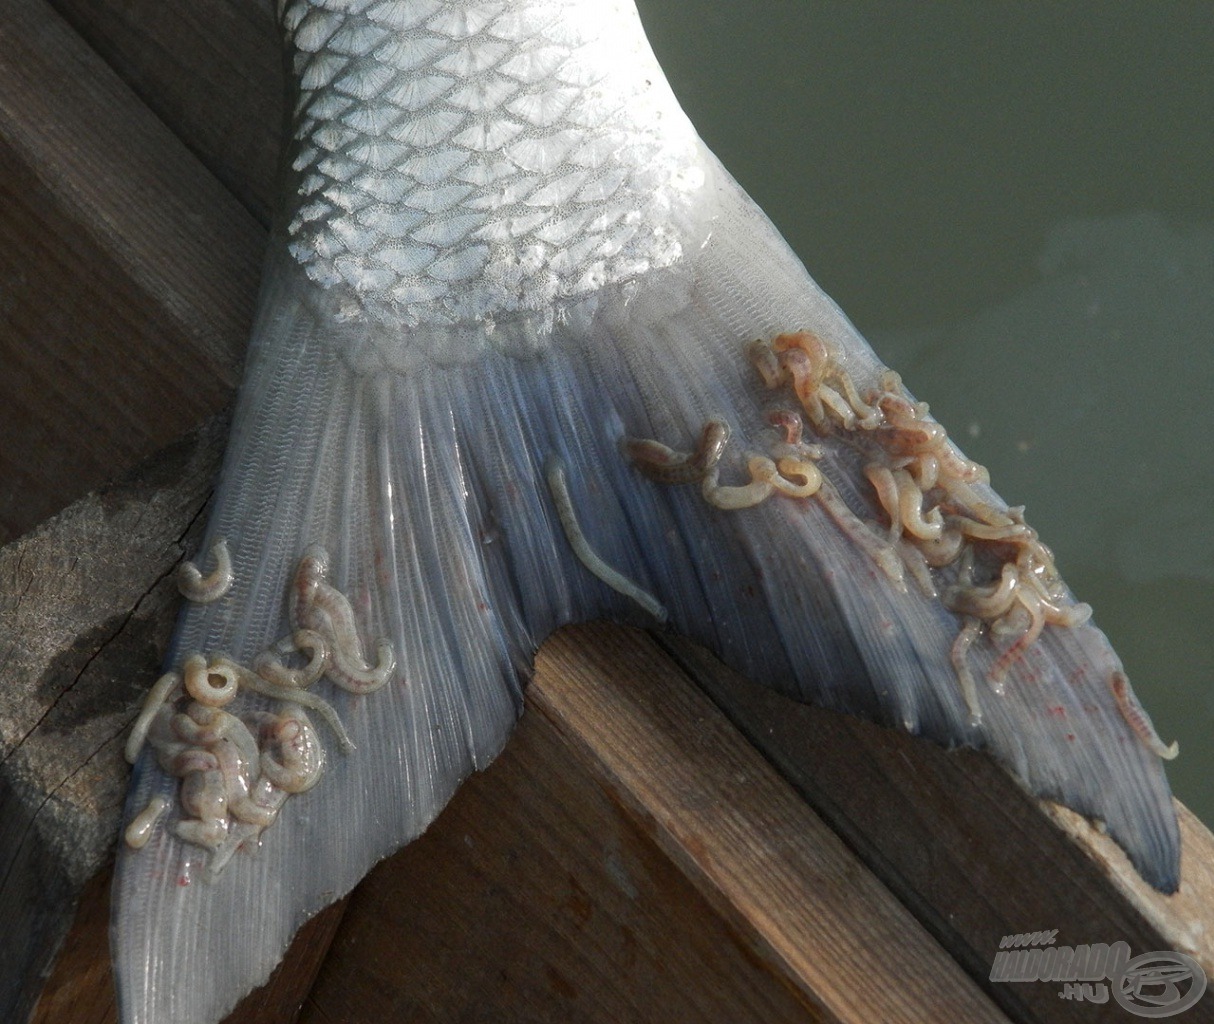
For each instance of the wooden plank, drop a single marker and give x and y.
(970, 853)
(128, 273)
(87, 603)
(80, 989)
(754, 849)
(209, 69)
(630, 858)
(535, 897)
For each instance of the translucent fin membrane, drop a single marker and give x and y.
(427, 489)
(412, 500)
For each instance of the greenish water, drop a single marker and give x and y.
(1015, 203)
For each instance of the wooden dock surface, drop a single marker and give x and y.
(661, 840)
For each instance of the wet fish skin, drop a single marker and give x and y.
(502, 242)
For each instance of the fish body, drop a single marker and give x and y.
(527, 355)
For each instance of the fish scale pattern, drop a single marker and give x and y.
(454, 161)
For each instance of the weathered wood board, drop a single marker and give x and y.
(127, 273)
(87, 602)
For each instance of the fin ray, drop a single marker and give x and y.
(414, 453)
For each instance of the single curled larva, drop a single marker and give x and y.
(139, 831)
(665, 465)
(194, 586)
(158, 695)
(554, 472)
(212, 685)
(323, 609)
(269, 666)
(767, 477)
(1137, 719)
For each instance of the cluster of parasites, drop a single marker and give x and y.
(937, 517)
(236, 772)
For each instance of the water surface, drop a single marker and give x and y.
(1014, 203)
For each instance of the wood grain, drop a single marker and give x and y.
(537, 898)
(87, 603)
(630, 858)
(970, 853)
(764, 859)
(209, 69)
(127, 273)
